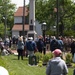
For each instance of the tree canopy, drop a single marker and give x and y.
(7, 10)
(46, 11)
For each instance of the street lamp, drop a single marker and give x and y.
(43, 27)
(56, 10)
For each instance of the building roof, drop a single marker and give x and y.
(19, 27)
(19, 11)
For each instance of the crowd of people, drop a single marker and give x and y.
(28, 47)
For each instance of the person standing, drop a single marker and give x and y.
(14, 41)
(10, 42)
(61, 44)
(48, 43)
(40, 44)
(57, 66)
(30, 46)
(20, 48)
(73, 47)
(54, 44)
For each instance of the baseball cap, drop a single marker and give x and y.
(30, 38)
(57, 52)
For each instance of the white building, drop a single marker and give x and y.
(18, 24)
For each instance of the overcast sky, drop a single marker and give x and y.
(20, 2)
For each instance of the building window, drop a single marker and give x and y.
(26, 20)
(31, 27)
(21, 33)
(31, 21)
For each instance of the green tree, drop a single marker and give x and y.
(45, 11)
(7, 10)
(66, 14)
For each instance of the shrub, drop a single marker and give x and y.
(40, 63)
(73, 65)
(68, 58)
(45, 58)
(38, 56)
(50, 55)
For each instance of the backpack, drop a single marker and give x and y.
(60, 44)
(30, 45)
(54, 45)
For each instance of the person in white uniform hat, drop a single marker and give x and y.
(3, 71)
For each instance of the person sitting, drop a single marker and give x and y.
(4, 52)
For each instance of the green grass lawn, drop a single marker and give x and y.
(21, 67)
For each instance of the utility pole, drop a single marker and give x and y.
(57, 2)
(23, 20)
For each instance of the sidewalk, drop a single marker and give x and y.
(15, 51)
